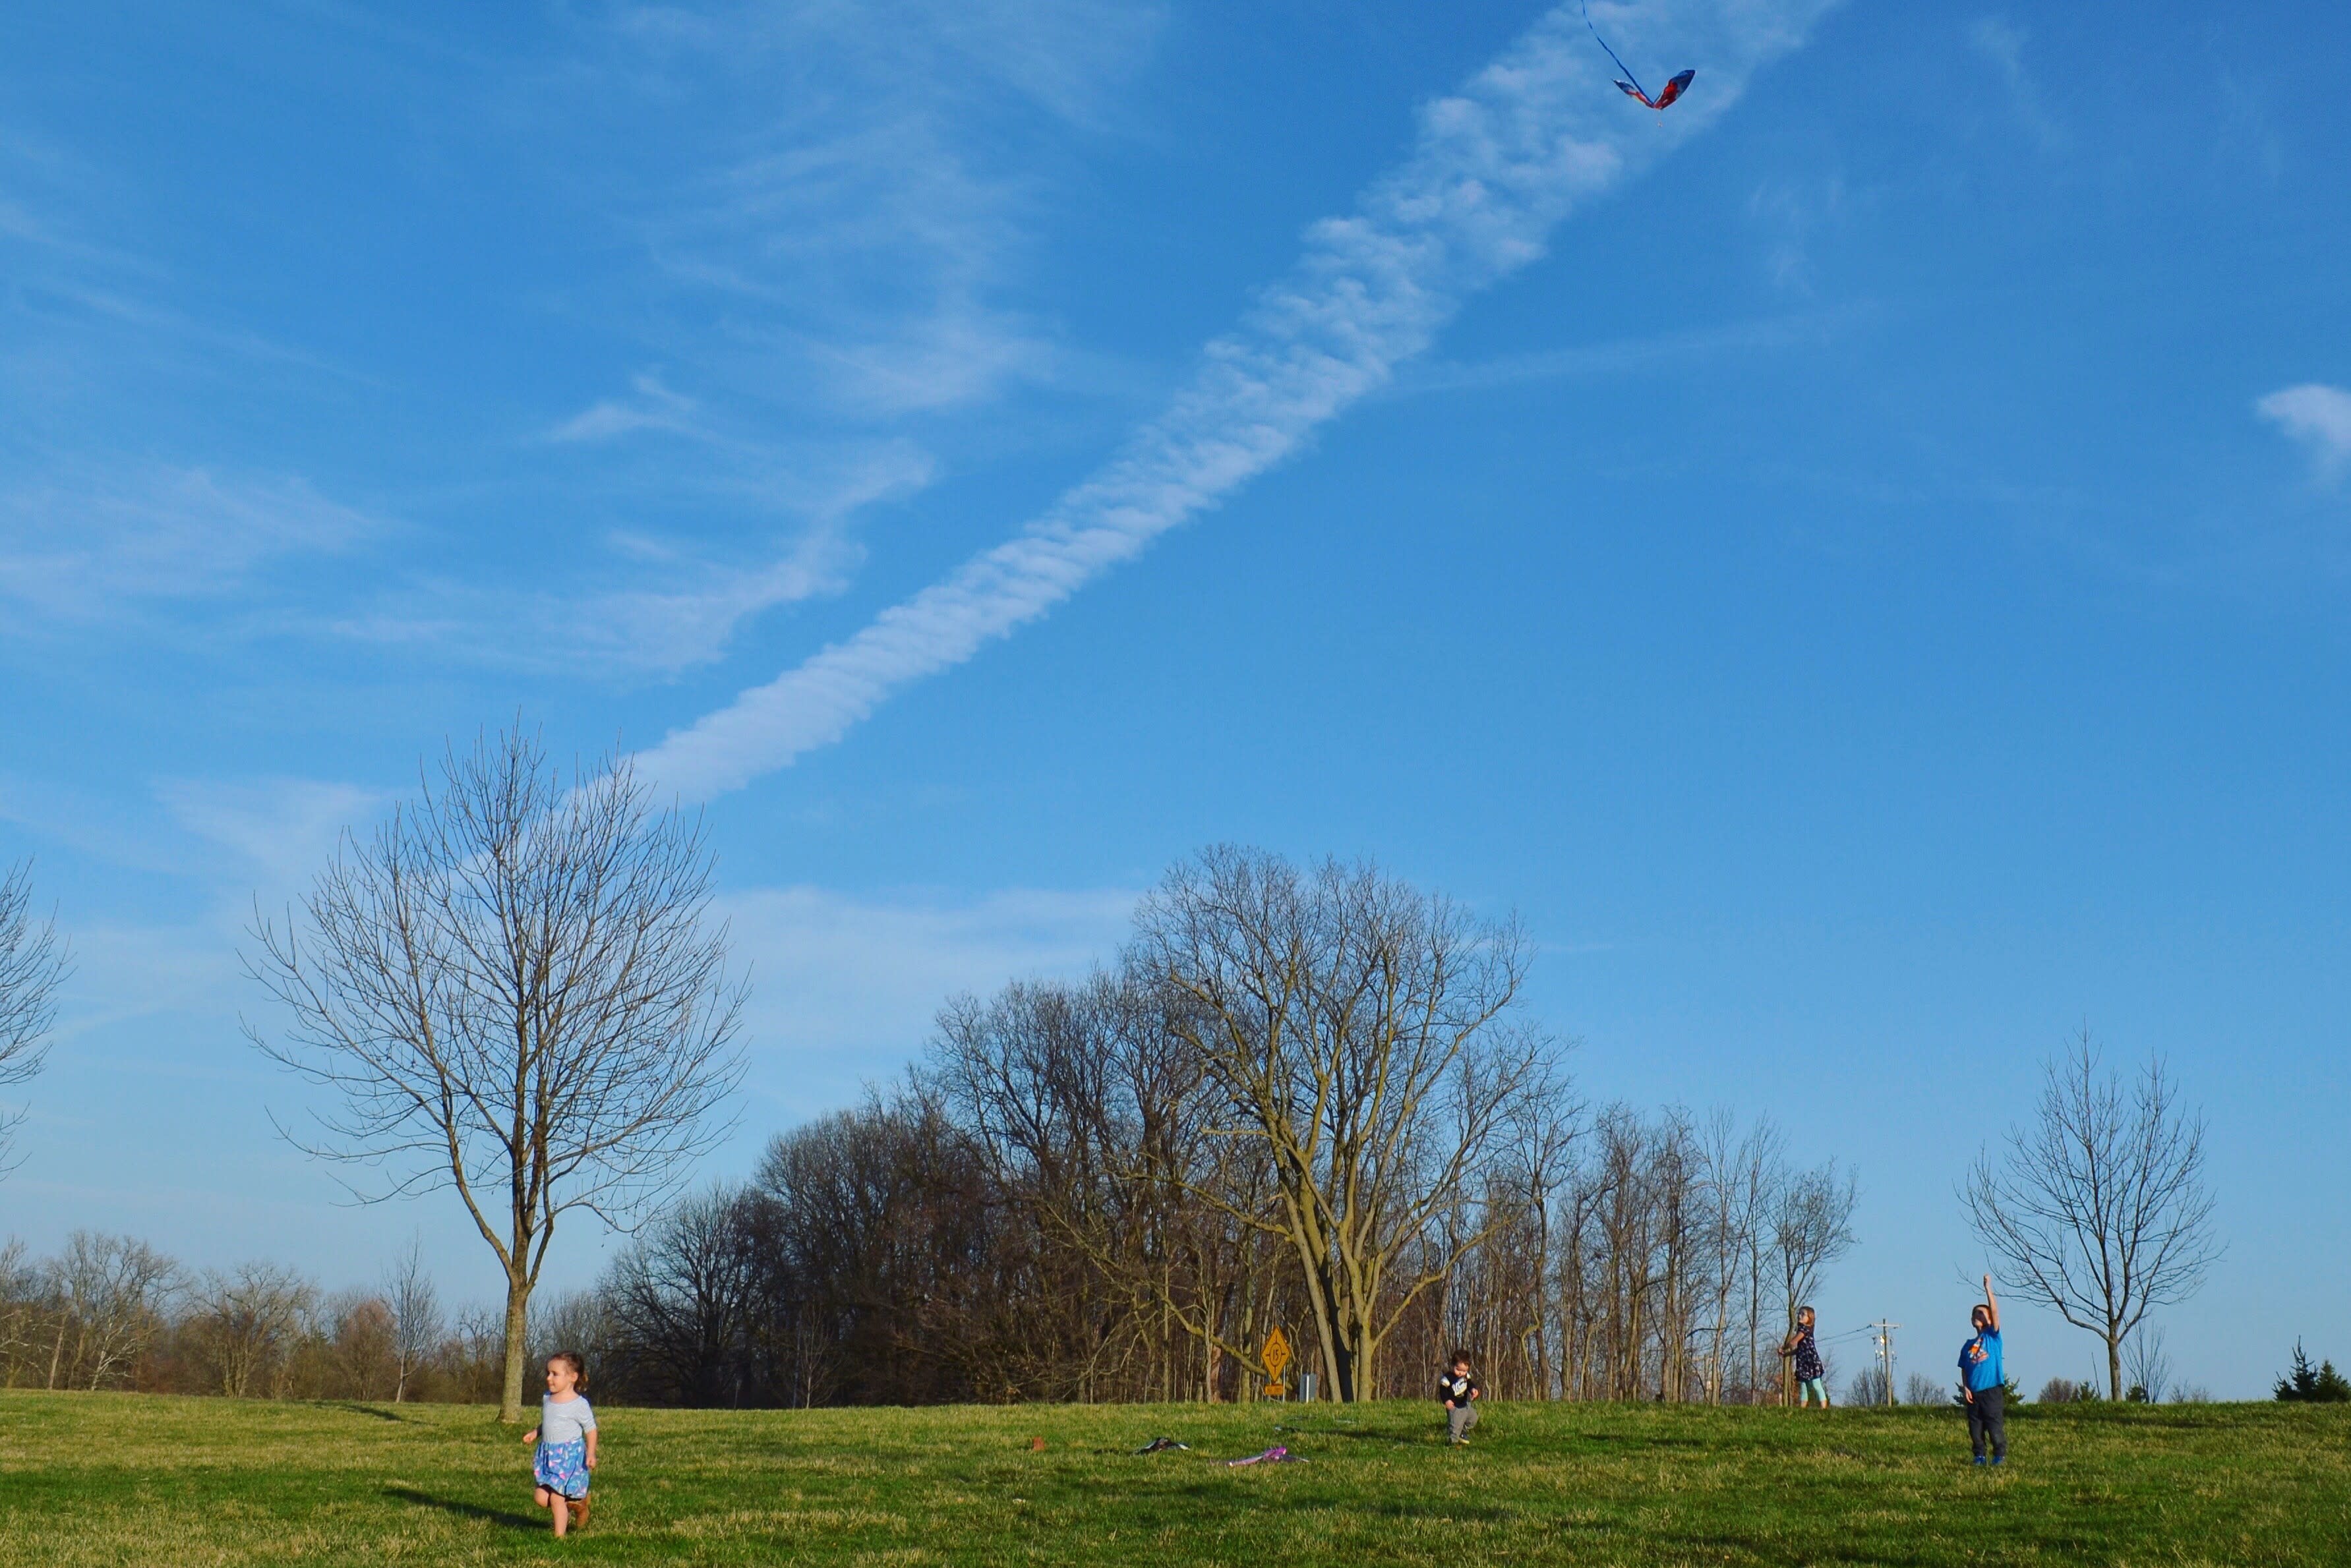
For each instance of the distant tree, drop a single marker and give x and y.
(246, 1322)
(577, 1321)
(417, 1322)
(360, 1361)
(2100, 1208)
(2147, 1365)
(512, 989)
(33, 963)
(1867, 1386)
(685, 1300)
(2308, 1385)
(111, 1293)
(1362, 1034)
(2059, 1391)
(22, 1297)
(1920, 1389)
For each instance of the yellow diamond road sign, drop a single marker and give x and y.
(1277, 1356)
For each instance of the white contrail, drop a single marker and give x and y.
(1495, 167)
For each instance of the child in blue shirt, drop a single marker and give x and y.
(1981, 1375)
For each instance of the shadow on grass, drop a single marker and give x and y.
(466, 1509)
(356, 1408)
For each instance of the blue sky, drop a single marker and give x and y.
(1856, 562)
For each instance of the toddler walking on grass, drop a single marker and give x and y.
(1459, 1391)
(566, 1443)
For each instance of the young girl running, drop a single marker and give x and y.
(566, 1439)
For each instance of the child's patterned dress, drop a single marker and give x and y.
(560, 1464)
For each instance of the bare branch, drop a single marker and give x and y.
(33, 965)
(511, 989)
(2099, 1208)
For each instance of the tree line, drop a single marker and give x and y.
(113, 1312)
(1305, 1098)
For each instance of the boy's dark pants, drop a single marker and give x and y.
(1987, 1422)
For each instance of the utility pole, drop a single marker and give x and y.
(1884, 1339)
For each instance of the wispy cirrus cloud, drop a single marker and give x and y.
(85, 543)
(2002, 42)
(1494, 168)
(2319, 417)
(855, 200)
(652, 407)
(683, 604)
(281, 830)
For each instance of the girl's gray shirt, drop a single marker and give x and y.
(566, 1422)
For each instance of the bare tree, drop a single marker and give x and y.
(1920, 1389)
(112, 1293)
(246, 1322)
(2147, 1366)
(33, 962)
(417, 1322)
(2099, 1208)
(577, 1321)
(683, 1298)
(511, 989)
(1359, 1032)
(1813, 1229)
(22, 1297)
(361, 1358)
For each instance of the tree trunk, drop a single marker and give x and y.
(2114, 1366)
(518, 1323)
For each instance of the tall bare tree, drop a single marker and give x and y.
(2099, 1208)
(417, 1321)
(512, 989)
(32, 965)
(1812, 1227)
(1360, 1031)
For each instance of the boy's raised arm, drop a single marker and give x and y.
(1992, 1304)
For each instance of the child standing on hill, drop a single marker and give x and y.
(1460, 1393)
(1812, 1375)
(1985, 1381)
(566, 1443)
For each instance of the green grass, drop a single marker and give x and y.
(126, 1479)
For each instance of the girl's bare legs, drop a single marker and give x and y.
(548, 1497)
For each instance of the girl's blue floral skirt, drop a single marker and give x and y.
(562, 1468)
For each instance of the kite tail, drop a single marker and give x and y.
(1634, 81)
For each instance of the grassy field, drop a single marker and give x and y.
(125, 1479)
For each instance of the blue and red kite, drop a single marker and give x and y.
(1632, 85)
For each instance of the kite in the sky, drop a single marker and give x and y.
(1631, 86)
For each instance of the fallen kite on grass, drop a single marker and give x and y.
(1273, 1456)
(1161, 1445)
(1633, 86)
